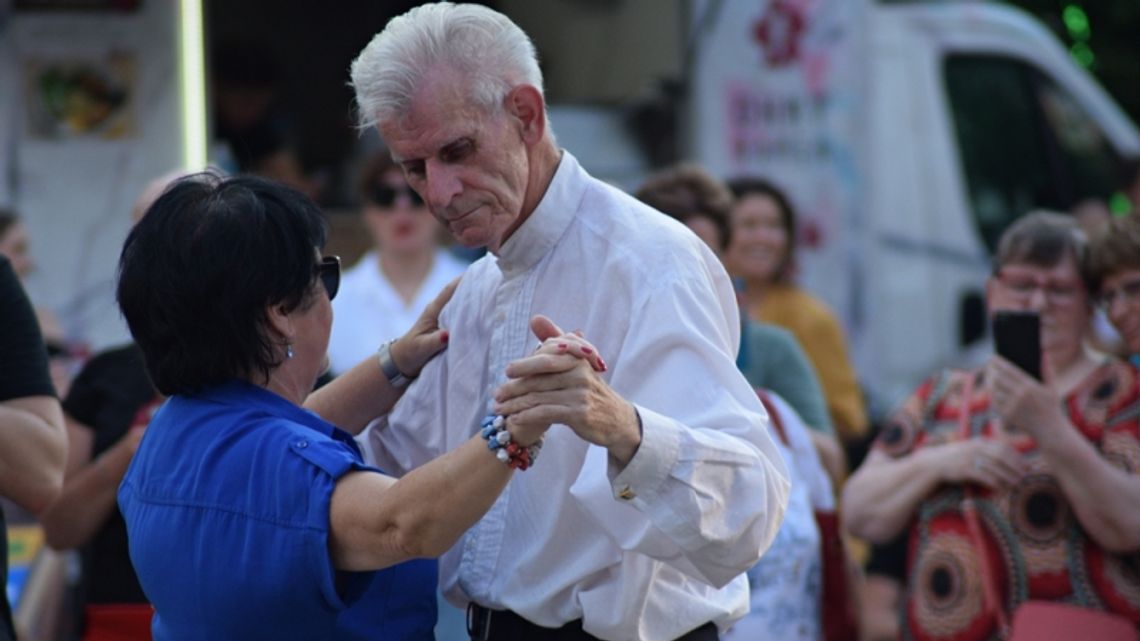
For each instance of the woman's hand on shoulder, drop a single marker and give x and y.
(426, 338)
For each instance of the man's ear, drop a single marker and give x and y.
(526, 104)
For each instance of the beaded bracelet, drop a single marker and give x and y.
(500, 442)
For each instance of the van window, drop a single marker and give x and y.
(1025, 142)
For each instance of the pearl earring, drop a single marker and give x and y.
(289, 350)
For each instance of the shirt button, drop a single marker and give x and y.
(500, 316)
(627, 494)
(302, 444)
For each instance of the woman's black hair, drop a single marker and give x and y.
(199, 271)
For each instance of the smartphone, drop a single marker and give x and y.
(1017, 338)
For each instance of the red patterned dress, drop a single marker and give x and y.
(1037, 548)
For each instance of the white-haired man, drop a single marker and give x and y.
(644, 530)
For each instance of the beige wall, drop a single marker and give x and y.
(602, 50)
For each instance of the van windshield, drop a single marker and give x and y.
(1025, 142)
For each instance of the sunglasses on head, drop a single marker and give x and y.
(328, 270)
(385, 195)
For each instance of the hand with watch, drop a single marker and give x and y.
(402, 359)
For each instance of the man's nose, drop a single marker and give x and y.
(1038, 299)
(442, 185)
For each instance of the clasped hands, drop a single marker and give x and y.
(561, 383)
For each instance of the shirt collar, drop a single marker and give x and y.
(541, 230)
(247, 396)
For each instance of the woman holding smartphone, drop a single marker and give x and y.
(1013, 489)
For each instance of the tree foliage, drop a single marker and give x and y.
(1109, 46)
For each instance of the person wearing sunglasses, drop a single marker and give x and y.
(1014, 489)
(249, 510)
(1115, 266)
(384, 293)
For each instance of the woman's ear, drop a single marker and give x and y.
(280, 323)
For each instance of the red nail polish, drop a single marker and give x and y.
(444, 337)
(587, 350)
(601, 365)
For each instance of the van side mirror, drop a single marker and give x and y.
(971, 318)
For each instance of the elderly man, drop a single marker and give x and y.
(644, 530)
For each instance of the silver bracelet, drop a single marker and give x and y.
(388, 368)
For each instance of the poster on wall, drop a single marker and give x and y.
(81, 97)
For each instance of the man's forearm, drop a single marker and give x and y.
(33, 451)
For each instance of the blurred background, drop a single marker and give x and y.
(908, 133)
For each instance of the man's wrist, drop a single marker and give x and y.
(625, 446)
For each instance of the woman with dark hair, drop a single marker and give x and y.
(249, 510)
(761, 254)
(1013, 489)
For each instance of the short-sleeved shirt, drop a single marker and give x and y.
(1036, 547)
(23, 373)
(111, 395)
(227, 510)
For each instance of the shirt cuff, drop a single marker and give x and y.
(642, 479)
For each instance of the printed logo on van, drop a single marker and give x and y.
(778, 32)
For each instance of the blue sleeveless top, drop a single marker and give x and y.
(227, 511)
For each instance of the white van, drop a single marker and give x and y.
(908, 137)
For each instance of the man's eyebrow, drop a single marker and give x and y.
(455, 144)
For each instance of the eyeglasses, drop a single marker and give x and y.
(328, 270)
(1128, 291)
(386, 195)
(1059, 292)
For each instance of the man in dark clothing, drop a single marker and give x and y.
(33, 444)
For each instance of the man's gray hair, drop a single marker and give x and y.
(482, 45)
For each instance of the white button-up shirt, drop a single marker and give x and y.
(368, 311)
(658, 548)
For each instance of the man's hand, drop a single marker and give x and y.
(560, 385)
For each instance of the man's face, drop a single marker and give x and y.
(470, 166)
